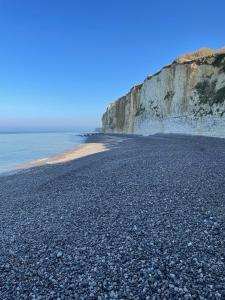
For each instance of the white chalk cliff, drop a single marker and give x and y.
(187, 96)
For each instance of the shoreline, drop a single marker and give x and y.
(79, 151)
(94, 143)
(17, 156)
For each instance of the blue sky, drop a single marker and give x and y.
(63, 61)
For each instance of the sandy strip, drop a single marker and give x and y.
(88, 148)
(78, 152)
(81, 151)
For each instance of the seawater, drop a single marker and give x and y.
(20, 148)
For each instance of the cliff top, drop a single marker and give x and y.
(203, 52)
(201, 56)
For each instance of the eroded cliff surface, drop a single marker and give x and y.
(187, 96)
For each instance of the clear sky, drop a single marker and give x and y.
(63, 61)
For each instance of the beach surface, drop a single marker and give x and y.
(121, 217)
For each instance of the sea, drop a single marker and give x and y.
(18, 148)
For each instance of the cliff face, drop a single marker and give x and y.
(187, 96)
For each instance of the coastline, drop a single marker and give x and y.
(20, 150)
(93, 144)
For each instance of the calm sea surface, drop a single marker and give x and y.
(19, 148)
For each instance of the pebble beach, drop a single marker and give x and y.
(132, 217)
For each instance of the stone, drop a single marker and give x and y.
(59, 254)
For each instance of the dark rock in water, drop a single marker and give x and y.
(98, 129)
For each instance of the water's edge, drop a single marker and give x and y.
(24, 167)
